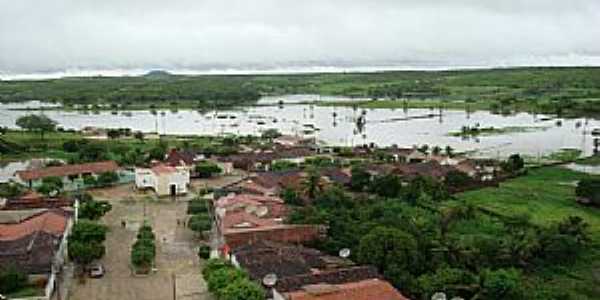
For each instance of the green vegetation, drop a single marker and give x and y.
(207, 169)
(527, 239)
(86, 242)
(589, 189)
(39, 123)
(547, 195)
(11, 280)
(467, 131)
(590, 161)
(549, 90)
(143, 250)
(91, 209)
(229, 283)
(73, 147)
(200, 220)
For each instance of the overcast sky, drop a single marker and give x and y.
(196, 35)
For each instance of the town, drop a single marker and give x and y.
(277, 217)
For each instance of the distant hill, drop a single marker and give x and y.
(158, 73)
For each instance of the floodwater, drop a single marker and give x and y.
(337, 125)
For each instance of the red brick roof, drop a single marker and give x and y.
(163, 169)
(363, 290)
(66, 170)
(51, 221)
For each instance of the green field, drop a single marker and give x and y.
(569, 91)
(548, 195)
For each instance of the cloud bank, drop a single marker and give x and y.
(199, 36)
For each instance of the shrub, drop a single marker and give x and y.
(108, 178)
(196, 206)
(207, 169)
(589, 189)
(143, 250)
(204, 252)
(11, 280)
(200, 222)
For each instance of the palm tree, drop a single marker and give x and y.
(312, 184)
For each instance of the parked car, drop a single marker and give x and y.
(96, 271)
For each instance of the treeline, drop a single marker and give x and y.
(424, 242)
(508, 85)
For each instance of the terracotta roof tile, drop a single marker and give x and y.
(66, 170)
(363, 290)
(51, 221)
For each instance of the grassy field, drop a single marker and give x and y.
(590, 161)
(555, 90)
(548, 195)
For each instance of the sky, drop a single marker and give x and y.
(112, 37)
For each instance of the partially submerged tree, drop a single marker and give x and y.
(39, 123)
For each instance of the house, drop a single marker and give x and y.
(292, 140)
(271, 182)
(33, 200)
(165, 180)
(306, 272)
(245, 219)
(337, 175)
(262, 160)
(431, 169)
(481, 169)
(406, 155)
(189, 159)
(35, 244)
(68, 173)
(362, 290)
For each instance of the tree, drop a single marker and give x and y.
(449, 151)
(204, 251)
(312, 184)
(291, 197)
(243, 290)
(85, 252)
(502, 284)
(108, 178)
(392, 251)
(283, 165)
(92, 152)
(93, 210)
(514, 163)
(457, 179)
(219, 279)
(197, 206)
(88, 231)
(11, 189)
(200, 222)
(139, 136)
(270, 134)
(207, 169)
(39, 123)
(589, 189)
(386, 186)
(360, 179)
(436, 150)
(11, 279)
(113, 133)
(50, 185)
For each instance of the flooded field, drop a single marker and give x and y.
(338, 125)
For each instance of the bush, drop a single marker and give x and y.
(143, 251)
(196, 206)
(11, 280)
(589, 189)
(227, 282)
(108, 178)
(50, 185)
(94, 210)
(207, 169)
(204, 252)
(200, 222)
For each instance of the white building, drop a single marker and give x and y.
(164, 180)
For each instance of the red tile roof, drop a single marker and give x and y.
(51, 221)
(66, 170)
(163, 169)
(363, 290)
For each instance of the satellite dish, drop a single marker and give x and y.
(344, 253)
(438, 296)
(262, 211)
(270, 280)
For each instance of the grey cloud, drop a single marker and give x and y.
(62, 35)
